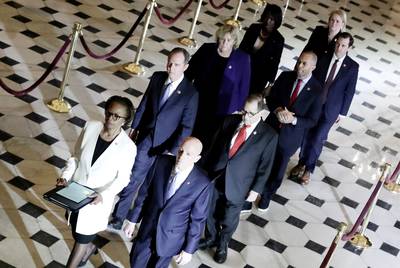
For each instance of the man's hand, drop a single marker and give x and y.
(252, 196)
(97, 198)
(61, 182)
(129, 229)
(183, 258)
(284, 115)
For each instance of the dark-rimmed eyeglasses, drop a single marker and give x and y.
(113, 116)
(249, 113)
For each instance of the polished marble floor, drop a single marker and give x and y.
(295, 232)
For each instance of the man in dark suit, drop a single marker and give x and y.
(295, 104)
(173, 205)
(165, 116)
(239, 160)
(338, 74)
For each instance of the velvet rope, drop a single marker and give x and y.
(118, 47)
(219, 6)
(174, 19)
(44, 75)
(328, 255)
(360, 219)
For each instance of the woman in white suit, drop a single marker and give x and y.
(103, 159)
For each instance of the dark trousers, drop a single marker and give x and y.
(223, 218)
(144, 255)
(312, 144)
(141, 167)
(281, 160)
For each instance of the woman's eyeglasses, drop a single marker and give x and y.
(114, 116)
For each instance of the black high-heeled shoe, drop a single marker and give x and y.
(94, 252)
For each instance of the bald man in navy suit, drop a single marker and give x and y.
(173, 205)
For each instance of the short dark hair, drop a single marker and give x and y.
(345, 35)
(130, 109)
(258, 98)
(176, 50)
(275, 12)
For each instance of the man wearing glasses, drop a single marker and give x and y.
(165, 116)
(239, 161)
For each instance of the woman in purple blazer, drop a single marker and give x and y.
(221, 73)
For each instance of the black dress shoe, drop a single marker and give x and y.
(206, 243)
(221, 253)
(246, 207)
(115, 224)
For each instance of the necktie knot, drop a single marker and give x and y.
(239, 140)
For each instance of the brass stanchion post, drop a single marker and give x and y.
(259, 3)
(135, 67)
(285, 9)
(189, 41)
(360, 240)
(234, 21)
(394, 184)
(60, 104)
(341, 228)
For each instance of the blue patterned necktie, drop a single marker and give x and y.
(166, 94)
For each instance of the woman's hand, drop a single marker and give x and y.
(61, 182)
(97, 198)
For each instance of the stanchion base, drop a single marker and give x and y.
(189, 42)
(393, 187)
(234, 23)
(259, 3)
(360, 241)
(60, 106)
(134, 68)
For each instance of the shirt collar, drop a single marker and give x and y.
(176, 83)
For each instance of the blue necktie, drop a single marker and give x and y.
(171, 185)
(166, 94)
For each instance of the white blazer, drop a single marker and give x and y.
(108, 175)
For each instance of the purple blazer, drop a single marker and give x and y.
(235, 82)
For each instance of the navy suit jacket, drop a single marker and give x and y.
(249, 168)
(178, 222)
(265, 61)
(341, 91)
(307, 108)
(172, 122)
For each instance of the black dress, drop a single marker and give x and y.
(318, 42)
(264, 61)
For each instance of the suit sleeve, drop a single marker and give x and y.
(72, 162)
(142, 105)
(245, 79)
(198, 216)
(187, 121)
(273, 98)
(195, 64)
(311, 118)
(349, 92)
(135, 214)
(123, 176)
(265, 165)
(276, 61)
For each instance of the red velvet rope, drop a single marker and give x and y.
(360, 219)
(118, 47)
(328, 255)
(44, 75)
(219, 6)
(174, 19)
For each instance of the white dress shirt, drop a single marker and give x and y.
(338, 65)
(249, 130)
(173, 85)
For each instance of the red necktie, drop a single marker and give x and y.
(295, 92)
(329, 80)
(240, 138)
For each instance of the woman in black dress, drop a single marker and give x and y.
(322, 39)
(264, 43)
